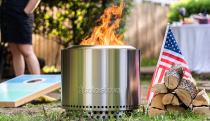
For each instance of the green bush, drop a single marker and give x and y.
(69, 21)
(149, 62)
(191, 6)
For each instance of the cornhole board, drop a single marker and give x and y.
(25, 88)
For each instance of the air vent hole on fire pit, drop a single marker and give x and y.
(103, 107)
(105, 114)
(100, 114)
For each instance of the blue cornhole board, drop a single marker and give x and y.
(25, 88)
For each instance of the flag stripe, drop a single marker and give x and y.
(174, 53)
(171, 63)
(174, 60)
(167, 66)
(151, 96)
(164, 67)
(185, 76)
(150, 86)
(174, 57)
(158, 75)
(161, 76)
(156, 80)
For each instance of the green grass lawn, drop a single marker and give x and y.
(78, 116)
(148, 61)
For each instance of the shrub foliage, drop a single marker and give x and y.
(191, 6)
(69, 21)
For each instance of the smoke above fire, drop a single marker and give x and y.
(105, 33)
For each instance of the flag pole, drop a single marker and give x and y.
(164, 40)
(162, 47)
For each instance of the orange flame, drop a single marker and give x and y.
(105, 33)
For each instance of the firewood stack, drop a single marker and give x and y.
(178, 94)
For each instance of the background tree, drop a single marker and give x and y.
(191, 6)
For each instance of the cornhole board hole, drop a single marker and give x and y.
(25, 88)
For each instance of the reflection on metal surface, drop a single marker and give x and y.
(99, 90)
(101, 78)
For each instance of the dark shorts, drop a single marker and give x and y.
(16, 26)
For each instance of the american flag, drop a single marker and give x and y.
(170, 54)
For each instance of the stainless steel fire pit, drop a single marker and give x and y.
(101, 79)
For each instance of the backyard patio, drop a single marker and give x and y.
(133, 34)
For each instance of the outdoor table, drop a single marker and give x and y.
(194, 41)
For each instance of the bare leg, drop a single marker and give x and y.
(30, 58)
(17, 59)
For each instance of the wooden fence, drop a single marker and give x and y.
(48, 50)
(146, 28)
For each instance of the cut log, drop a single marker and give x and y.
(178, 68)
(170, 99)
(189, 86)
(201, 99)
(171, 79)
(204, 110)
(174, 108)
(159, 88)
(155, 112)
(157, 102)
(186, 91)
(184, 96)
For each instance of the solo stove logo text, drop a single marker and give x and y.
(99, 90)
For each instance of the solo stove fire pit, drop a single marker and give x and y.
(102, 80)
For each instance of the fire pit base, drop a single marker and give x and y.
(102, 114)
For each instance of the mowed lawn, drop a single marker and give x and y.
(136, 115)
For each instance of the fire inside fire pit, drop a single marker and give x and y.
(99, 76)
(105, 33)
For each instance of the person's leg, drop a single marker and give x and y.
(30, 58)
(17, 59)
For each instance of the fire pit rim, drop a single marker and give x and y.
(101, 47)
